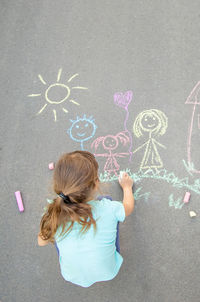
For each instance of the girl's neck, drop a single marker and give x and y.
(94, 192)
(92, 196)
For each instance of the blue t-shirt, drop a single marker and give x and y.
(89, 258)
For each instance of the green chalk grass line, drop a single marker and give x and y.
(163, 174)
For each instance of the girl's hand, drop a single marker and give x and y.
(41, 242)
(125, 181)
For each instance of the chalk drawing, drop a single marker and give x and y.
(155, 123)
(194, 99)
(82, 129)
(138, 195)
(177, 204)
(162, 174)
(189, 167)
(123, 100)
(110, 144)
(62, 89)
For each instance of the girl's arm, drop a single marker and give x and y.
(128, 201)
(42, 242)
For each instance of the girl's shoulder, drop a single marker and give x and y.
(108, 207)
(100, 203)
(105, 204)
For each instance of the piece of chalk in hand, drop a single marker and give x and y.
(186, 197)
(19, 201)
(193, 214)
(121, 174)
(51, 166)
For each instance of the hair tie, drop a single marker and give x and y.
(65, 198)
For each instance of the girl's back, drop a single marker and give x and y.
(92, 257)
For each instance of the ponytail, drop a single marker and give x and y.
(75, 178)
(59, 213)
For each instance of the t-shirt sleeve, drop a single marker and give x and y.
(118, 210)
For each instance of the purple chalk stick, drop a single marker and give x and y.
(19, 201)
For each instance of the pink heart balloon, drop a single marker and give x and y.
(123, 100)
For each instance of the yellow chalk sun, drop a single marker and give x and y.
(63, 90)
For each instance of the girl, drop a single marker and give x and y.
(82, 228)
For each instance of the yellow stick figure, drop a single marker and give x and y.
(155, 123)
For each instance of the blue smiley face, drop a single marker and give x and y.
(82, 130)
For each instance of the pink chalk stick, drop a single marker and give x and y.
(19, 201)
(51, 166)
(186, 197)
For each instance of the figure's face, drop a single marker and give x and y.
(110, 142)
(149, 122)
(82, 130)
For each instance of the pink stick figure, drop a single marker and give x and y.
(109, 144)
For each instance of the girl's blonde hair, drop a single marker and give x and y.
(75, 175)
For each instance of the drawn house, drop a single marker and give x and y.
(193, 140)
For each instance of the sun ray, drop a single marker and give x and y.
(65, 110)
(59, 74)
(34, 94)
(79, 87)
(42, 109)
(54, 112)
(64, 89)
(41, 79)
(75, 75)
(74, 102)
